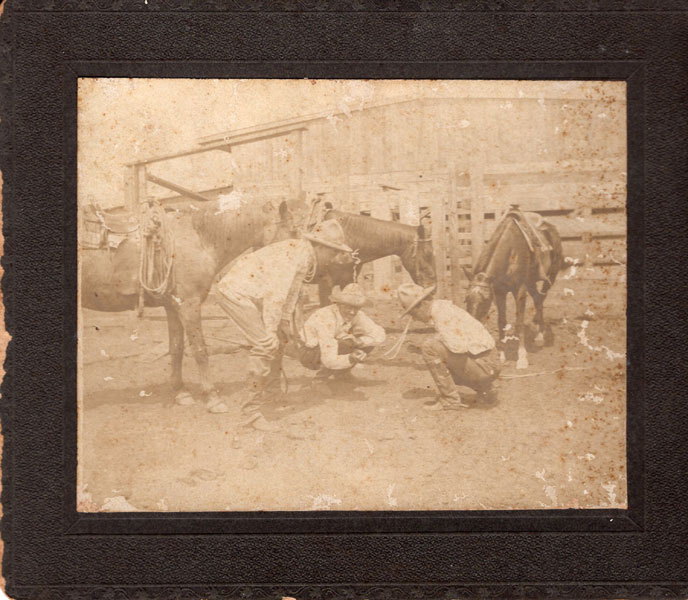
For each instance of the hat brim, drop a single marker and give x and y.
(349, 300)
(335, 245)
(427, 292)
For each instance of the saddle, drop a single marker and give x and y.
(533, 227)
(108, 228)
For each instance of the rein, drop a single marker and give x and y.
(416, 242)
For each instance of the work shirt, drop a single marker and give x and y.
(274, 275)
(326, 327)
(459, 331)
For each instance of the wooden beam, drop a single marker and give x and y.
(162, 157)
(176, 188)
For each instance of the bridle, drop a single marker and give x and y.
(415, 255)
(481, 286)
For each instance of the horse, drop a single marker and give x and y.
(375, 238)
(508, 264)
(205, 241)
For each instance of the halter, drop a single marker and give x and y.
(414, 249)
(482, 287)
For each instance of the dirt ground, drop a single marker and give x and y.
(554, 438)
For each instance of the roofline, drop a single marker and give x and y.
(226, 136)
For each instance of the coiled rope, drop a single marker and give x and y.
(157, 252)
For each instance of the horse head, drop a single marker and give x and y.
(479, 295)
(419, 258)
(279, 223)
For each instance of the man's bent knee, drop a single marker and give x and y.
(433, 349)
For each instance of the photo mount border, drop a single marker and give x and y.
(362, 522)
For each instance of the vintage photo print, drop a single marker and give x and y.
(351, 295)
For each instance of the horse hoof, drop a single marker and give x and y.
(502, 357)
(262, 424)
(184, 399)
(216, 404)
(218, 408)
(522, 363)
(539, 340)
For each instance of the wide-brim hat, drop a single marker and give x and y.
(328, 233)
(411, 295)
(352, 295)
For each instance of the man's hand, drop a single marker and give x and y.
(284, 331)
(358, 355)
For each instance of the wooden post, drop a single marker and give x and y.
(439, 241)
(477, 206)
(382, 267)
(130, 195)
(298, 162)
(454, 237)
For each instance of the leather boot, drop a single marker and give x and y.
(255, 393)
(450, 398)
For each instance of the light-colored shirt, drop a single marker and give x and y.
(274, 275)
(459, 331)
(326, 327)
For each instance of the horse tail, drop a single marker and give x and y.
(552, 234)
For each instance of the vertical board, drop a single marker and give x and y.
(456, 238)
(382, 267)
(435, 200)
(477, 208)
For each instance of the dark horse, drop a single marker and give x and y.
(507, 264)
(375, 238)
(205, 241)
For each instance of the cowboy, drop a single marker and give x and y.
(272, 277)
(340, 335)
(460, 352)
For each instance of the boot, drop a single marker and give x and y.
(450, 398)
(256, 392)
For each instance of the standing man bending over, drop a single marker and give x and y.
(459, 354)
(340, 335)
(260, 292)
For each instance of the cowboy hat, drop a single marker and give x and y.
(411, 295)
(352, 295)
(328, 233)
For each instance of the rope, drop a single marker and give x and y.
(393, 351)
(157, 252)
(544, 372)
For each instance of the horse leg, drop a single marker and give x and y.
(522, 362)
(538, 301)
(500, 302)
(175, 331)
(190, 314)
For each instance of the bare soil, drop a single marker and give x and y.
(554, 438)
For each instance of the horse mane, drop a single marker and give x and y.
(223, 227)
(360, 229)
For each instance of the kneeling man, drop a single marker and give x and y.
(340, 335)
(459, 353)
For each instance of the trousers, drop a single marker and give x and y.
(450, 369)
(265, 355)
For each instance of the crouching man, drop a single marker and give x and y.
(340, 335)
(459, 352)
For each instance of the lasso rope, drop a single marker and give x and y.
(157, 252)
(544, 372)
(394, 350)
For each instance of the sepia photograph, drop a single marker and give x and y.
(349, 295)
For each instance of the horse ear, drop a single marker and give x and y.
(283, 209)
(468, 272)
(328, 205)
